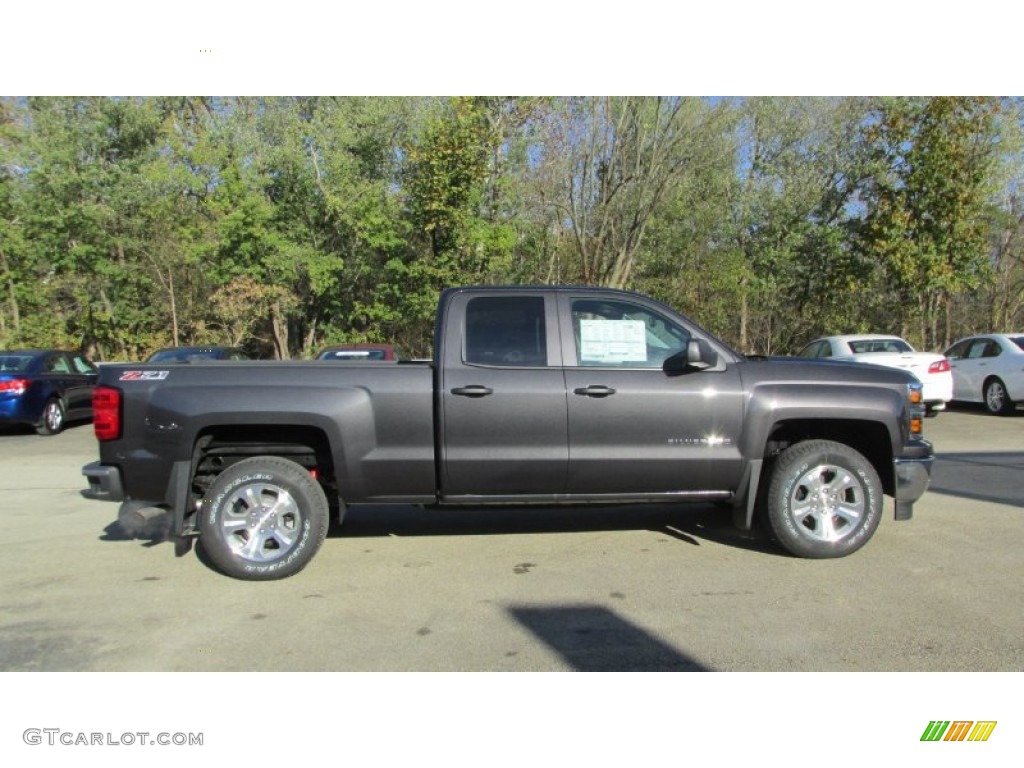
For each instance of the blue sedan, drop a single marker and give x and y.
(44, 388)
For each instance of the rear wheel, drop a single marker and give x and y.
(52, 421)
(824, 501)
(996, 399)
(264, 518)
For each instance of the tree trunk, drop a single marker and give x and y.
(15, 312)
(744, 316)
(174, 309)
(308, 341)
(279, 325)
(121, 348)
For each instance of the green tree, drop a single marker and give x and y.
(82, 201)
(616, 160)
(799, 171)
(927, 204)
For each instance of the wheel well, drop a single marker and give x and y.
(869, 438)
(217, 448)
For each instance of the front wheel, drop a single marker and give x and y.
(824, 501)
(263, 518)
(52, 421)
(996, 400)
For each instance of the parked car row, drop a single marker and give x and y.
(351, 352)
(46, 388)
(188, 354)
(986, 368)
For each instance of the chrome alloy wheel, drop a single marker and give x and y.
(53, 416)
(995, 396)
(827, 502)
(261, 522)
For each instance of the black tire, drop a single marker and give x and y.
(825, 500)
(263, 518)
(52, 420)
(997, 402)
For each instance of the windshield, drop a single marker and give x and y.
(183, 355)
(353, 354)
(879, 345)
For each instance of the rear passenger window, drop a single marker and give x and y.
(57, 364)
(82, 365)
(958, 350)
(992, 349)
(506, 330)
(977, 349)
(811, 350)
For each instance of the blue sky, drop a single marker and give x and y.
(404, 47)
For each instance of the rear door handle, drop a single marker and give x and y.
(473, 390)
(594, 390)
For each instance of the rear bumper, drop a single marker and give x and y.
(104, 482)
(17, 410)
(107, 484)
(938, 388)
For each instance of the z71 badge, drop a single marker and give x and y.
(144, 375)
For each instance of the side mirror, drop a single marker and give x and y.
(698, 356)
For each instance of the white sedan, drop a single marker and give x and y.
(989, 369)
(931, 368)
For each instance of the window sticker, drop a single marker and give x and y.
(613, 341)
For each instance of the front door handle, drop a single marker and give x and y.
(473, 390)
(594, 390)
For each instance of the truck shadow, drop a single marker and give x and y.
(150, 534)
(979, 408)
(688, 523)
(591, 638)
(992, 477)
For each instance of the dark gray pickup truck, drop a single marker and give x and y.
(535, 396)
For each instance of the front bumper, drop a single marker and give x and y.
(912, 478)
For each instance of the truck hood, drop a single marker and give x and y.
(803, 371)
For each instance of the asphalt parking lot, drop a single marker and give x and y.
(638, 588)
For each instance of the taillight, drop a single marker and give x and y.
(939, 366)
(106, 413)
(14, 386)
